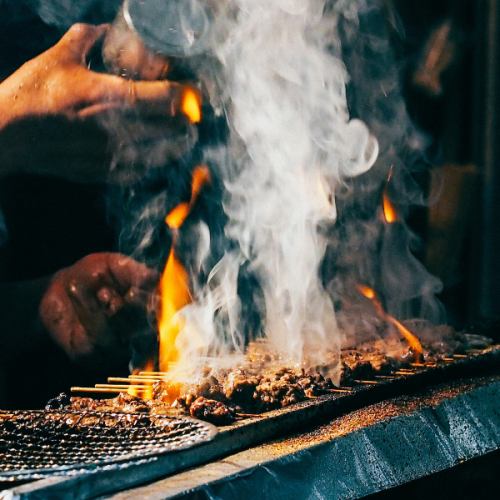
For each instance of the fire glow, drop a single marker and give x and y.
(390, 214)
(191, 105)
(281, 164)
(411, 338)
(174, 287)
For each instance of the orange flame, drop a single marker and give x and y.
(145, 392)
(174, 295)
(191, 105)
(367, 292)
(410, 337)
(174, 281)
(149, 366)
(390, 214)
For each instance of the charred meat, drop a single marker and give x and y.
(212, 411)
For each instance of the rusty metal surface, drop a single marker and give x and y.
(36, 444)
(369, 450)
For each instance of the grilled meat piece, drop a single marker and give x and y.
(366, 362)
(130, 404)
(285, 387)
(212, 411)
(209, 388)
(261, 383)
(122, 403)
(160, 391)
(240, 387)
(90, 404)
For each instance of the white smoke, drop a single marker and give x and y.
(292, 142)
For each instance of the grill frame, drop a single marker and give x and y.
(253, 431)
(80, 441)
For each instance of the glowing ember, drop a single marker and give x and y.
(390, 214)
(410, 337)
(174, 282)
(191, 105)
(368, 292)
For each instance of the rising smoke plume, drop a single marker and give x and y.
(292, 143)
(309, 92)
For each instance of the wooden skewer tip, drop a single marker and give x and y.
(95, 390)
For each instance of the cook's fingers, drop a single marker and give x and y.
(138, 297)
(80, 343)
(110, 300)
(159, 98)
(77, 42)
(87, 307)
(128, 273)
(59, 317)
(94, 318)
(97, 109)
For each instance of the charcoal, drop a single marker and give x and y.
(59, 402)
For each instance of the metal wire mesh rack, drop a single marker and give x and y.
(36, 444)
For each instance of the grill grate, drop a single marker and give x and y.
(35, 444)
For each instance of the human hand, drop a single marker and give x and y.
(58, 82)
(91, 308)
(59, 118)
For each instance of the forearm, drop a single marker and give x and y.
(20, 328)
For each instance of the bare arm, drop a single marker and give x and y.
(53, 101)
(89, 309)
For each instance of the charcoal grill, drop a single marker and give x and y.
(36, 444)
(243, 434)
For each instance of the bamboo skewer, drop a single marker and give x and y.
(249, 415)
(121, 386)
(133, 380)
(158, 374)
(141, 383)
(342, 390)
(96, 390)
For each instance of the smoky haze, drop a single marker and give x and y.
(310, 97)
(292, 143)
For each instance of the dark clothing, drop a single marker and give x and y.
(50, 223)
